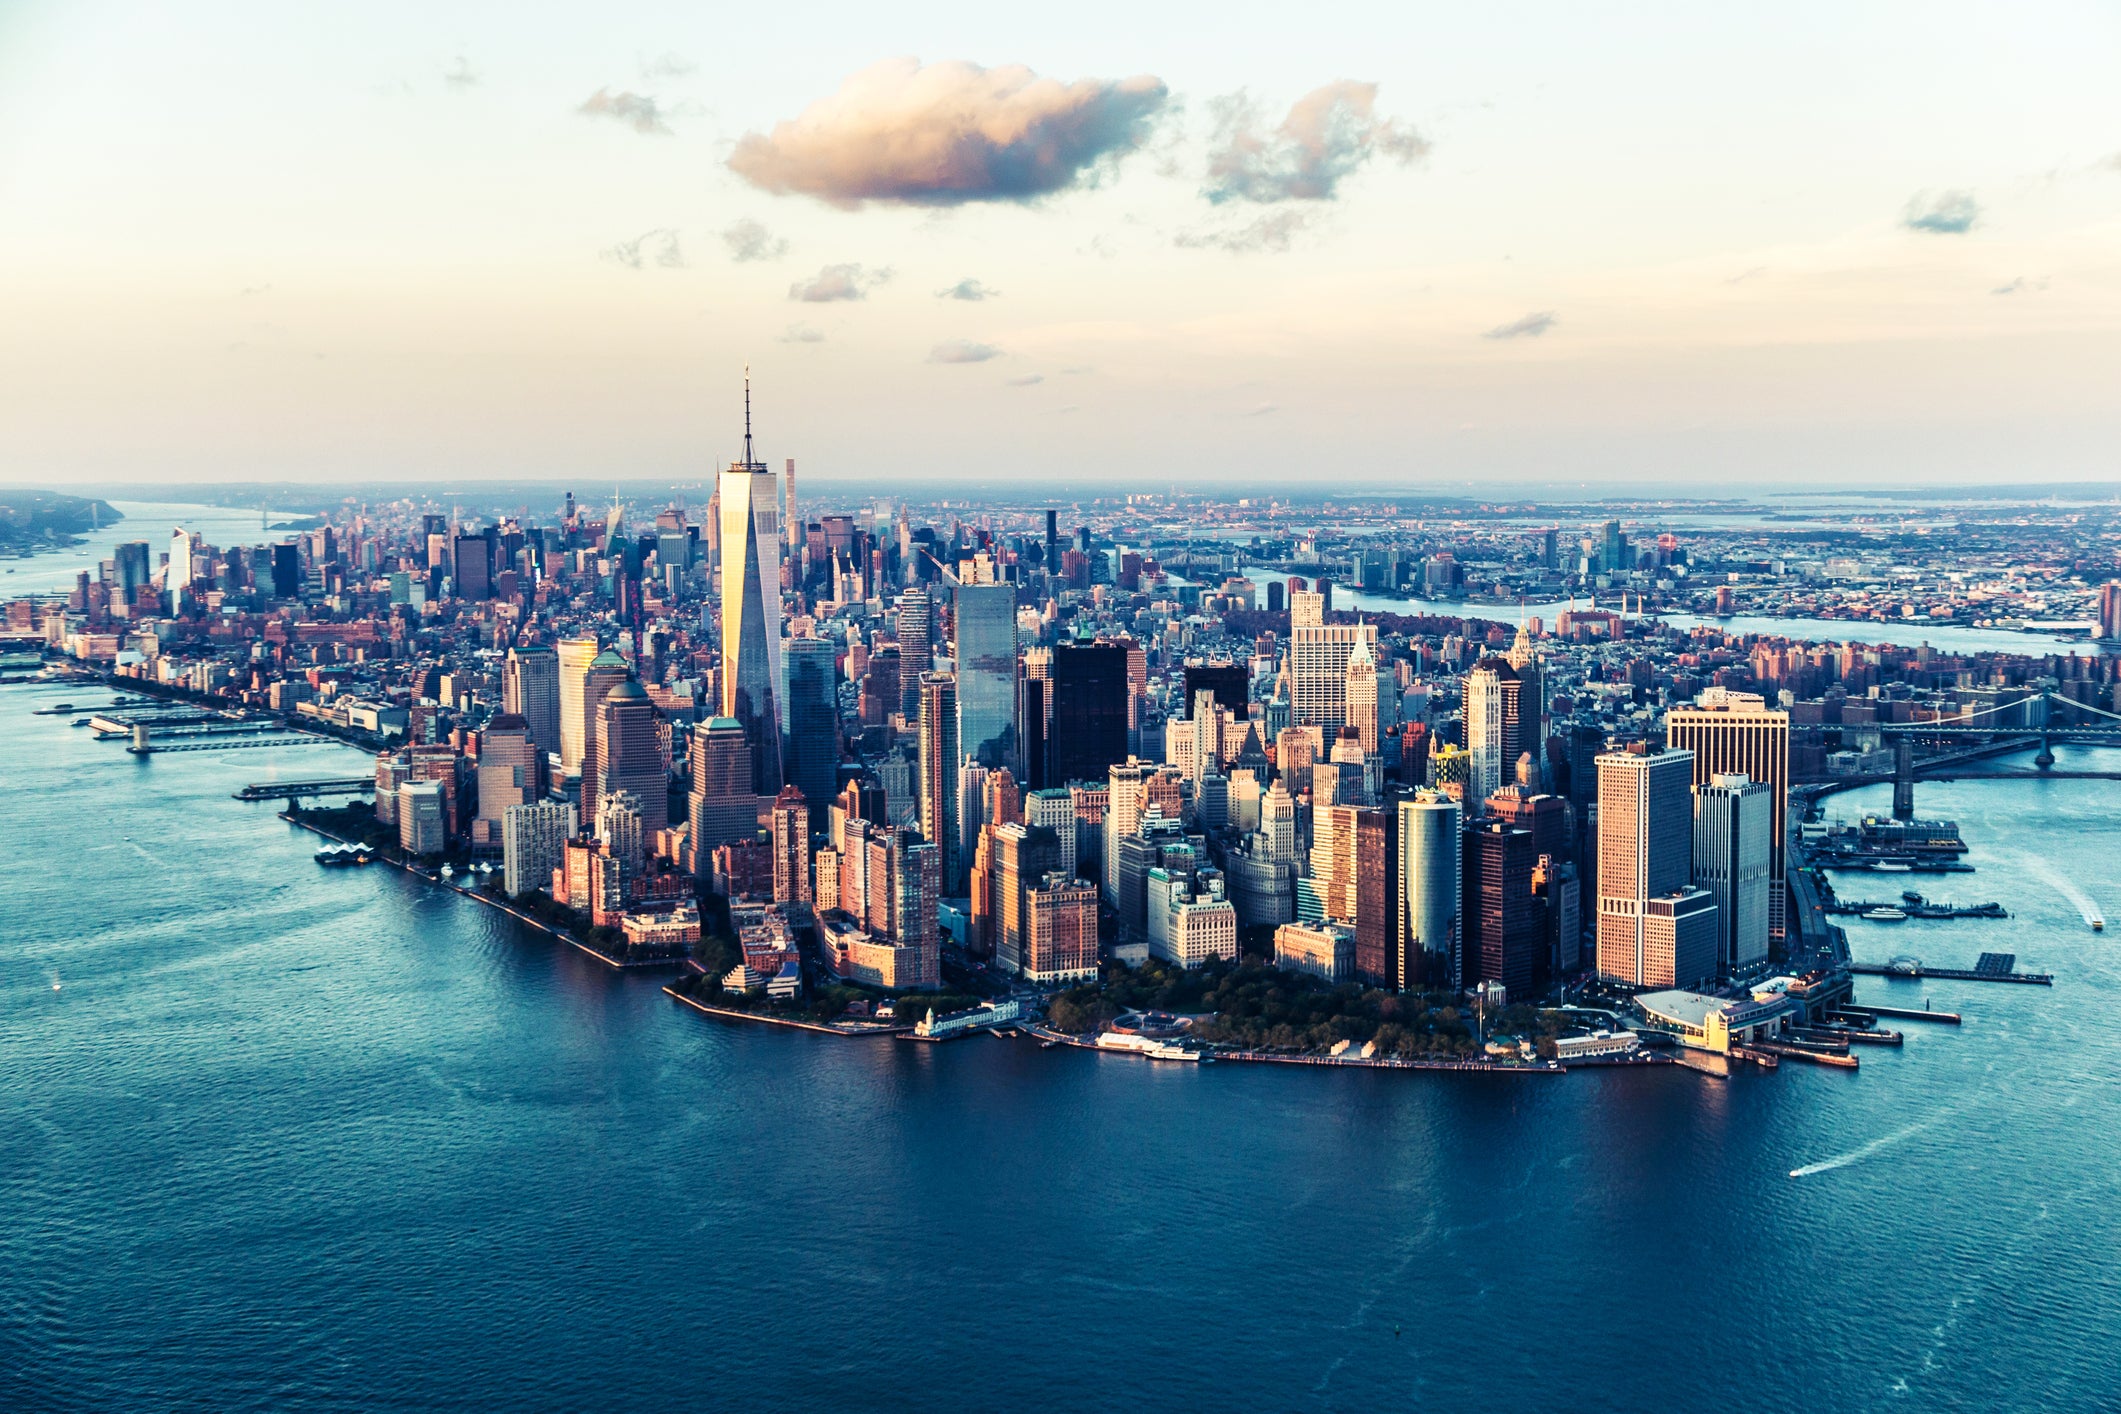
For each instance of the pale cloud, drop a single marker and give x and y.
(1328, 133)
(2019, 285)
(968, 289)
(1531, 326)
(667, 66)
(637, 110)
(460, 75)
(962, 351)
(1029, 380)
(749, 240)
(950, 133)
(803, 334)
(1950, 213)
(1274, 230)
(838, 282)
(1263, 410)
(659, 247)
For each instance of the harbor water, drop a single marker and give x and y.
(280, 1137)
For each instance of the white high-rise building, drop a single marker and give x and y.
(1491, 693)
(533, 843)
(751, 607)
(1318, 672)
(1734, 816)
(576, 654)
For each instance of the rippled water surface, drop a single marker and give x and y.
(289, 1138)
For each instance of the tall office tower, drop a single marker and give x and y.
(1546, 816)
(1426, 952)
(1735, 733)
(471, 568)
(751, 608)
(1277, 824)
(606, 671)
(1360, 696)
(1379, 897)
(1053, 542)
(1612, 551)
(789, 519)
(575, 656)
(1123, 813)
(1491, 717)
(133, 571)
(1531, 693)
(1734, 819)
(1230, 682)
(1550, 548)
(813, 739)
(938, 768)
(533, 842)
(1318, 669)
(916, 647)
(1498, 918)
(1087, 712)
(530, 688)
(791, 846)
(1646, 858)
(1023, 855)
(723, 807)
(1333, 861)
(971, 810)
(183, 567)
(1034, 726)
(2110, 610)
(630, 755)
(508, 776)
(986, 674)
(1054, 808)
(1060, 930)
(619, 831)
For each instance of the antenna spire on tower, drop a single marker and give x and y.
(747, 415)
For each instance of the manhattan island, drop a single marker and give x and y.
(1135, 781)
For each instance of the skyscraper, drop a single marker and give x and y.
(915, 626)
(606, 671)
(1736, 733)
(533, 842)
(1498, 917)
(939, 762)
(1360, 696)
(531, 689)
(986, 674)
(1427, 930)
(1651, 932)
(1378, 894)
(1491, 718)
(1086, 712)
(1318, 665)
(751, 607)
(1733, 819)
(813, 740)
(2110, 610)
(630, 755)
(791, 846)
(508, 776)
(575, 656)
(723, 807)
(471, 568)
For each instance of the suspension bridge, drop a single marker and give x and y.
(1964, 738)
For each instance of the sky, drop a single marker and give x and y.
(1423, 245)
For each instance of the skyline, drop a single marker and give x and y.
(1536, 248)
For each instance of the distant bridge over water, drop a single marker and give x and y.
(1957, 740)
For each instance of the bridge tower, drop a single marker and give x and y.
(1903, 778)
(2046, 755)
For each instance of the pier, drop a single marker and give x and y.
(1990, 967)
(1896, 1013)
(295, 790)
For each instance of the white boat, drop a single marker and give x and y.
(1885, 915)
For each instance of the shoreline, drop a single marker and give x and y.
(821, 1026)
(1065, 1038)
(539, 924)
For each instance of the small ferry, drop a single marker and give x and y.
(1885, 915)
(2098, 925)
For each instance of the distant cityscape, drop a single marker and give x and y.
(1555, 777)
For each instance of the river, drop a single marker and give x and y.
(289, 1138)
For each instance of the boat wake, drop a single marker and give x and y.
(1858, 1155)
(2077, 897)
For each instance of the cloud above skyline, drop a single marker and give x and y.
(1328, 133)
(750, 240)
(968, 289)
(963, 351)
(1531, 326)
(659, 247)
(1948, 213)
(638, 111)
(949, 134)
(1274, 230)
(803, 334)
(838, 282)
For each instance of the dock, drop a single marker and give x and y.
(1896, 1013)
(293, 790)
(1990, 967)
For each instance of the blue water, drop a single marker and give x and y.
(290, 1138)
